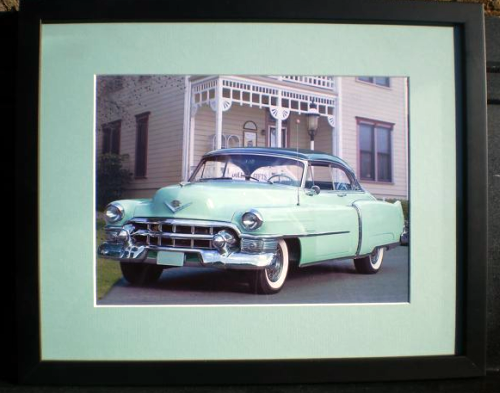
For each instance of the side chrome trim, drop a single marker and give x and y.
(360, 228)
(256, 237)
(318, 234)
(208, 224)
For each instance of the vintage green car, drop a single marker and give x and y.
(258, 210)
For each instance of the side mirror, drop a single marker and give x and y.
(315, 190)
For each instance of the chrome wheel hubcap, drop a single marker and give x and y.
(273, 272)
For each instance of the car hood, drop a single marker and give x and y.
(215, 200)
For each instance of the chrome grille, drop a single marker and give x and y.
(175, 233)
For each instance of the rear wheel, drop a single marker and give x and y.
(140, 273)
(272, 279)
(371, 263)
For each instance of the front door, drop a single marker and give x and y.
(271, 140)
(335, 219)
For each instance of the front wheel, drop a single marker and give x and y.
(371, 263)
(271, 279)
(140, 273)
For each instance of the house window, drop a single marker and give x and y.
(375, 151)
(111, 137)
(141, 145)
(376, 80)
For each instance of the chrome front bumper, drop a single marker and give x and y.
(236, 260)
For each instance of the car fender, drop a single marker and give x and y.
(381, 223)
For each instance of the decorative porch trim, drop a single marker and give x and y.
(220, 92)
(262, 94)
(279, 113)
(226, 104)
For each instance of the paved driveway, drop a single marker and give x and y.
(329, 282)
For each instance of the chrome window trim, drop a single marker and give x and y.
(304, 162)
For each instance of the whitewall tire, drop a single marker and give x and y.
(372, 263)
(272, 279)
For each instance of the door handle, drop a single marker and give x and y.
(342, 195)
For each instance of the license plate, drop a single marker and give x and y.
(170, 258)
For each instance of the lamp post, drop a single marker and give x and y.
(312, 122)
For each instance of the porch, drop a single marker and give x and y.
(235, 111)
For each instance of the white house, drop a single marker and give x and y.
(164, 124)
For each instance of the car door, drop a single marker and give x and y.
(336, 226)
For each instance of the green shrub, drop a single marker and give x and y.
(112, 178)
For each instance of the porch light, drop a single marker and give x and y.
(312, 122)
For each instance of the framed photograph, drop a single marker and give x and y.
(250, 139)
(284, 197)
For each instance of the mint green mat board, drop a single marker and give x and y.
(74, 328)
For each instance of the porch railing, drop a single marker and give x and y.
(324, 82)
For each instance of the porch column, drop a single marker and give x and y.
(187, 134)
(338, 116)
(218, 115)
(279, 114)
(279, 122)
(192, 128)
(335, 141)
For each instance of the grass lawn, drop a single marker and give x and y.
(108, 272)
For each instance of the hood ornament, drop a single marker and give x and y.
(177, 205)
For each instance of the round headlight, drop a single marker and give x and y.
(252, 220)
(114, 212)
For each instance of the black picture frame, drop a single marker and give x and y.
(471, 193)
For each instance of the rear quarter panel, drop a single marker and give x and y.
(381, 224)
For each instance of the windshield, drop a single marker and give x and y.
(249, 167)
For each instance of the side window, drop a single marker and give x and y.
(321, 176)
(330, 178)
(341, 181)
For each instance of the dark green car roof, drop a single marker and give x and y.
(303, 154)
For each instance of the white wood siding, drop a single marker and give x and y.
(384, 104)
(163, 97)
